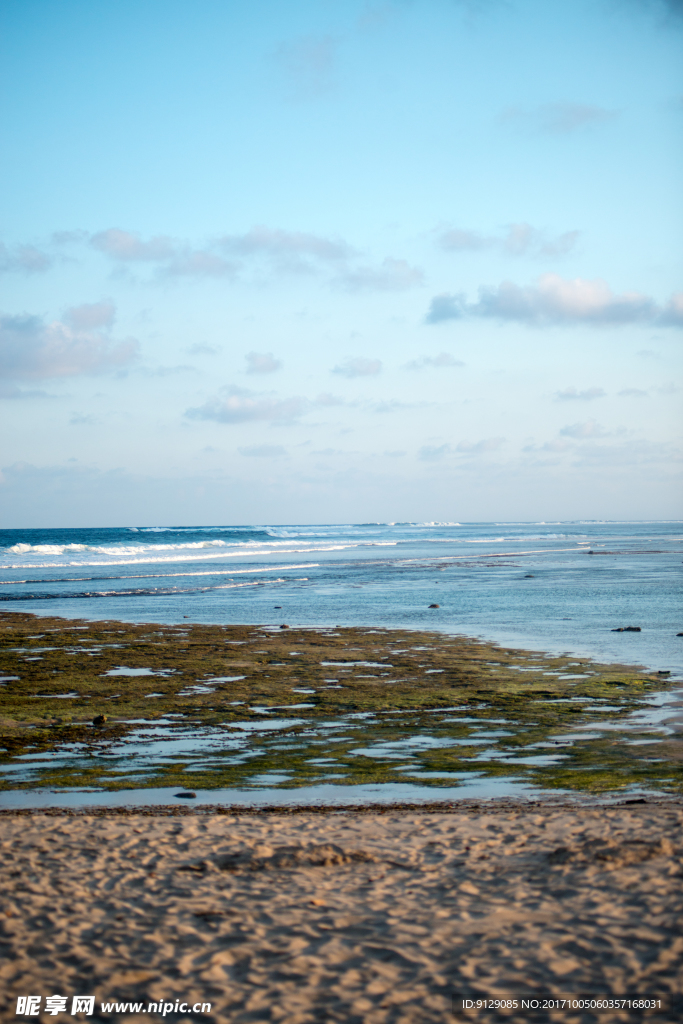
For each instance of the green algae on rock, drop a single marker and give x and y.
(110, 705)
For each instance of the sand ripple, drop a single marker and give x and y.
(361, 918)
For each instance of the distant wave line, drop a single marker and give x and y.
(139, 549)
(196, 558)
(168, 575)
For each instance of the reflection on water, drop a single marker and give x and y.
(373, 756)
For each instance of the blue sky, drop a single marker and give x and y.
(287, 261)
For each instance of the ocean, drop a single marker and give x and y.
(560, 587)
(565, 588)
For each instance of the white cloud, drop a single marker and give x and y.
(556, 300)
(446, 307)
(262, 362)
(91, 315)
(582, 430)
(235, 405)
(282, 251)
(635, 452)
(488, 444)
(174, 258)
(442, 361)
(33, 350)
(11, 391)
(558, 118)
(127, 247)
(571, 394)
(289, 249)
(79, 419)
(166, 371)
(327, 399)
(263, 451)
(27, 259)
(557, 446)
(672, 314)
(392, 275)
(560, 245)
(201, 348)
(431, 453)
(359, 367)
(459, 240)
(518, 240)
(632, 393)
(393, 405)
(331, 452)
(199, 263)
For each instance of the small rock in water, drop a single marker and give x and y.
(529, 576)
(284, 626)
(679, 634)
(664, 672)
(279, 606)
(99, 720)
(187, 794)
(435, 606)
(627, 629)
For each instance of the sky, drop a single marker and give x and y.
(305, 261)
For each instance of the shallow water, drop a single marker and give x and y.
(561, 588)
(527, 584)
(270, 760)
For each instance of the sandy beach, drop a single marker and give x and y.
(380, 917)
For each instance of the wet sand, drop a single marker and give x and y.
(379, 916)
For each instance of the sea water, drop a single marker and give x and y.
(558, 587)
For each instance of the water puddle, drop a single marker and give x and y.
(56, 696)
(325, 794)
(356, 664)
(123, 670)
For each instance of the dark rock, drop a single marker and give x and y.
(529, 576)
(627, 629)
(187, 794)
(664, 672)
(679, 634)
(278, 606)
(435, 606)
(99, 720)
(284, 626)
